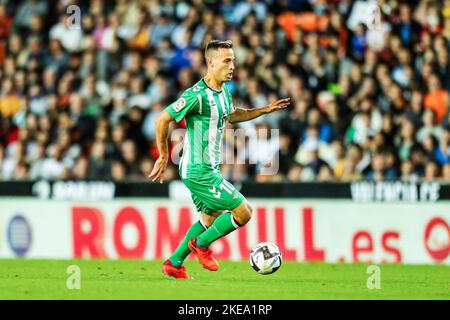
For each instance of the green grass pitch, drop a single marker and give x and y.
(139, 279)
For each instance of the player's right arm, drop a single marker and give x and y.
(186, 104)
(162, 131)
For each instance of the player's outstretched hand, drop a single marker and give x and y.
(279, 104)
(158, 170)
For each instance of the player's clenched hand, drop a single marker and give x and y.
(277, 105)
(158, 170)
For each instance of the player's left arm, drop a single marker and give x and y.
(241, 114)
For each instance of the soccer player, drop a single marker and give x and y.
(206, 107)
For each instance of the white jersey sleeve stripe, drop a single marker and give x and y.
(199, 97)
(222, 99)
(186, 156)
(212, 134)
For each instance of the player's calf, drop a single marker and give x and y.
(224, 224)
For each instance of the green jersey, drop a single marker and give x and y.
(205, 111)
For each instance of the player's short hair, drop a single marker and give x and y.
(217, 44)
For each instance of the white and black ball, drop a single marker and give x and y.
(265, 258)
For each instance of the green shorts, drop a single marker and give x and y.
(213, 194)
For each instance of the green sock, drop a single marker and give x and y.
(223, 225)
(182, 251)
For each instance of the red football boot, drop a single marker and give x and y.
(204, 255)
(177, 272)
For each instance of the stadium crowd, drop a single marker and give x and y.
(79, 98)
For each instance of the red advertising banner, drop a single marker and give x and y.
(318, 230)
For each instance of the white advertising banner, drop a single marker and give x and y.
(305, 230)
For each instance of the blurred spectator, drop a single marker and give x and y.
(406, 140)
(129, 154)
(407, 171)
(69, 35)
(431, 171)
(294, 122)
(418, 157)
(118, 171)
(437, 98)
(442, 152)
(325, 130)
(370, 99)
(446, 173)
(5, 22)
(21, 171)
(146, 166)
(243, 8)
(407, 27)
(358, 42)
(315, 165)
(52, 166)
(98, 164)
(429, 126)
(38, 160)
(380, 169)
(25, 12)
(80, 170)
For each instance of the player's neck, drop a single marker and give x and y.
(212, 82)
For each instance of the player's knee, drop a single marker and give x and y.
(250, 210)
(246, 214)
(208, 219)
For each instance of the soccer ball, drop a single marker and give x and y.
(265, 258)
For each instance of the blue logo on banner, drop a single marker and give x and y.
(19, 235)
